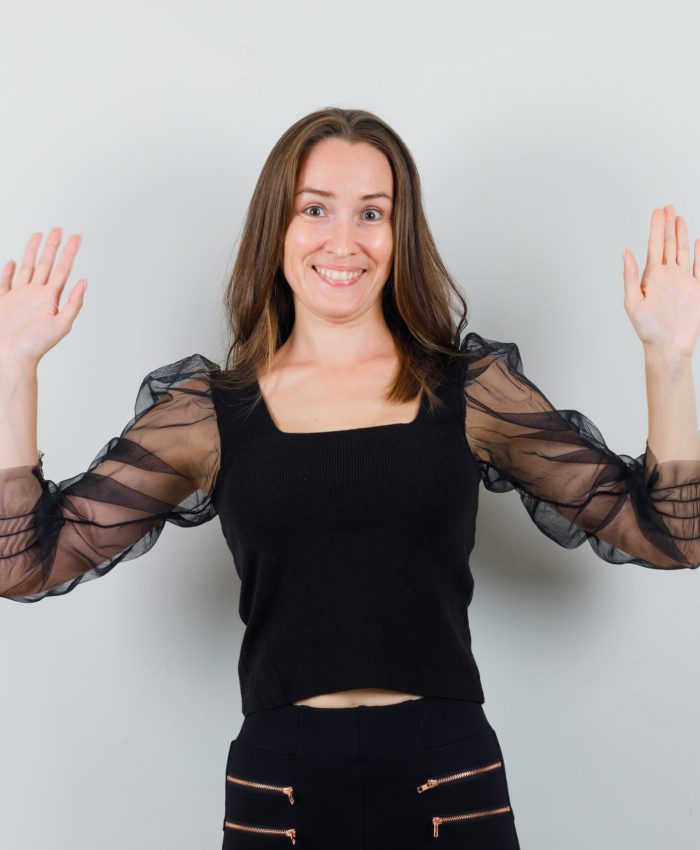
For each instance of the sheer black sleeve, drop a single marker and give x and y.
(162, 468)
(630, 509)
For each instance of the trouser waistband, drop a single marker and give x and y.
(363, 732)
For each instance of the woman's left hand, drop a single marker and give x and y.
(664, 307)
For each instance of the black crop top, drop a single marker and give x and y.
(352, 546)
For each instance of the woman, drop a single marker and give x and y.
(342, 448)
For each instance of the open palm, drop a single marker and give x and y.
(31, 322)
(664, 306)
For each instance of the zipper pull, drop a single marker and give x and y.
(431, 783)
(436, 822)
(291, 833)
(288, 791)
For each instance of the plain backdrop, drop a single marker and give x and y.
(545, 135)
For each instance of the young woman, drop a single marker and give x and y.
(342, 447)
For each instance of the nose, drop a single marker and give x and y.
(342, 236)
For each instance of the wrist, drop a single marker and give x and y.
(16, 365)
(666, 358)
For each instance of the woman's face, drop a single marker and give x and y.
(341, 223)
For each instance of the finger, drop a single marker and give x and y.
(60, 273)
(6, 277)
(633, 292)
(655, 247)
(696, 264)
(43, 267)
(683, 249)
(26, 268)
(74, 302)
(669, 234)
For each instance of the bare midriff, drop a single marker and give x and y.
(356, 696)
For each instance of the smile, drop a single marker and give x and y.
(336, 278)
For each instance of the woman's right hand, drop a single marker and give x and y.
(30, 320)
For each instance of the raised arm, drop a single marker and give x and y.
(630, 509)
(162, 468)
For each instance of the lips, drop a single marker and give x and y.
(331, 282)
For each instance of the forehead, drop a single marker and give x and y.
(345, 168)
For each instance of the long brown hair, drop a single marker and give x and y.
(416, 299)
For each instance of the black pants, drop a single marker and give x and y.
(362, 779)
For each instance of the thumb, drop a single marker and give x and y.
(633, 292)
(74, 302)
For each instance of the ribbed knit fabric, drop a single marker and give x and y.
(353, 552)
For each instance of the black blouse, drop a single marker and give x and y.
(160, 469)
(302, 512)
(163, 465)
(631, 510)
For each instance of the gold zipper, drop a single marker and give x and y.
(431, 783)
(269, 830)
(285, 789)
(468, 816)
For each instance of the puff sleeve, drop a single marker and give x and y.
(630, 509)
(162, 468)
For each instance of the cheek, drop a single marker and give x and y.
(382, 246)
(300, 239)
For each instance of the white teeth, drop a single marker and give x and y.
(332, 274)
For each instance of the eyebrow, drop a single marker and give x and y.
(309, 190)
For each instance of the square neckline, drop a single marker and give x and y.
(361, 429)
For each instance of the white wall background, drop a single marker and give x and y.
(545, 134)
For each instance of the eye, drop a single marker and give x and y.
(374, 210)
(312, 207)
